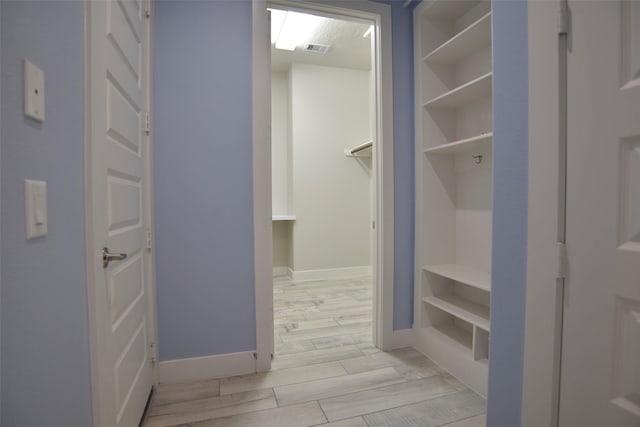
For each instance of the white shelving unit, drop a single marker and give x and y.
(453, 55)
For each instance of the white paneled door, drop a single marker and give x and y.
(117, 97)
(600, 375)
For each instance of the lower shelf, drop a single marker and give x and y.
(468, 311)
(459, 335)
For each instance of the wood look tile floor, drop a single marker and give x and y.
(325, 372)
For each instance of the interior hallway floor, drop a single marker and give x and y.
(325, 372)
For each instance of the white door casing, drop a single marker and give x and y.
(117, 209)
(361, 10)
(600, 372)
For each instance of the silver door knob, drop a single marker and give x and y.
(107, 257)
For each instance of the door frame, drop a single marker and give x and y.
(380, 15)
(546, 198)
(88, 214)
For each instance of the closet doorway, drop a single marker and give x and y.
(323, 185)
(381, 134)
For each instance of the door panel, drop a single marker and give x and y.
(117, 98)
(600, 375)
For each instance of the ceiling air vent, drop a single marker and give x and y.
(316, 48)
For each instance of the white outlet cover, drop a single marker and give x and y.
(33, 91)
(35, 196)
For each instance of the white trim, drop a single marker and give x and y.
(543, 310)
(207, 367)
(329, 273)
(150, 270)
(262, 222)
(380, 15)
(402, 338)
(281, 272)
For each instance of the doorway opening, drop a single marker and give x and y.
(323, 124)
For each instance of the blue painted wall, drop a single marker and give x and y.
(203, 178)
(45, 338)
(510, 160)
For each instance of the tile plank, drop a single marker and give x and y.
(420, 368)
(306, 414)
(202, 409)
(380, 360)
(324, 332)
(179, 392)
(329, 342)
(299, 346)
(315, 356)
(330, 387)
(280, 377)
(382, 398)
(430, 413)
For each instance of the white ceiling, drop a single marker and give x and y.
(347, 47)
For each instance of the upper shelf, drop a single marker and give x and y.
(463, 145)
(462, 95)
(462, 273)
(462, 44)
(448, 8)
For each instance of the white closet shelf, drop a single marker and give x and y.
(467, 41)
(464, 94)
(283, 218)
(462, 273)
(459, 335)
(463, 145)
(466, 310)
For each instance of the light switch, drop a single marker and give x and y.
(35, 208)
(33, 91)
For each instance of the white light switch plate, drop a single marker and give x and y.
(33, 91)
(35, 196)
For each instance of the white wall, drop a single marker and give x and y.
(331, 192)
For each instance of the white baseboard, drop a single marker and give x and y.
(402, 338)
(281, 272)
(207, 367)
(329, 273)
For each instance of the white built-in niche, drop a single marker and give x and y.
(453, 56)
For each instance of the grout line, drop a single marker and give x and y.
(323, 413)
(275, 396)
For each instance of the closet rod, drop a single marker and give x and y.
(360, 147)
